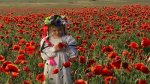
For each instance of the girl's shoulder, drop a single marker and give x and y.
(67, 36)
(43, 39)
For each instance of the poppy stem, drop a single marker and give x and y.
(9, 81)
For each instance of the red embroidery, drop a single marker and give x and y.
(49, 43)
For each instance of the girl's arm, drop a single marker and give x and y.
(72, 47)
(47, 52)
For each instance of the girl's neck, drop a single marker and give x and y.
(56, 37)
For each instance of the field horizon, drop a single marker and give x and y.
(67, 3)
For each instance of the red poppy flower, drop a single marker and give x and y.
(1, 25)
(116, 63)
(20, 37)
(144, 25)
(84, 42)
(21, 51)
(67, 64)
(2, 37)
(94, 44)
(134, 45)
(27, 82)
(40, 77)
(12, 68)
(82, 59)
(62, 45)
(5, 64)
(6, 32)
(141, 67)
(97, 69)
(107, 48)
(111, 79)
(142, 82)
(80, 81)
(144, 69)
(112, 55)
(26, 68)
(138, 65)
(16, 47)
(21, 59)
(30, 50)
(41, 65)
(125, 52)
(92, 47)
(107, 72)
(22, 41)
(2, 59)
(78, 37)
(80, 49)
(32, 43)
(27, 44)
(55, 71)
(145, 42)
(14, 75)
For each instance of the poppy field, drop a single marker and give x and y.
(113, 44)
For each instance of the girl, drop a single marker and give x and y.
(56, 48)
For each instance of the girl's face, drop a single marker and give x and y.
(55, 31)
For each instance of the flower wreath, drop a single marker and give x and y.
(56, 20)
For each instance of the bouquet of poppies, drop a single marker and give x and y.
(62, 45)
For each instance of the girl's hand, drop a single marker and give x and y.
(57, 48)
(65, 44)
(61, 45)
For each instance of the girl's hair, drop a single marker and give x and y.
(56, 21)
